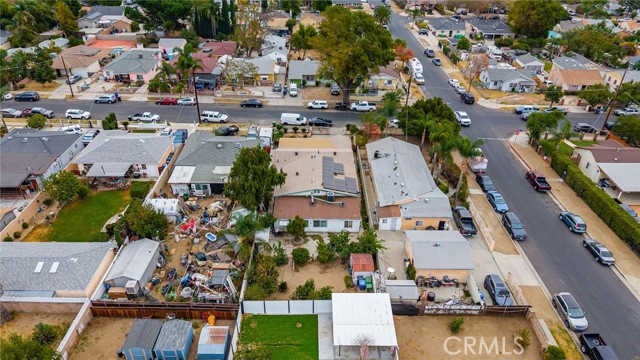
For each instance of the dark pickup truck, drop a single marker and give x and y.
(594, 346)
(464, 220)
(538, 181)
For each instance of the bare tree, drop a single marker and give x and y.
(5, 315)
(240, 70)
(364, 341)
(477, 63)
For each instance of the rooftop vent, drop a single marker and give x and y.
(25, 140)
(436, 244)
(219, 146)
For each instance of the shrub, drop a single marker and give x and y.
(285, 130)
(304, 130)
(139, 189)
(300, 256)
(8, 239)
(443, 187)
(361, 141)
(504, 42)
(282, 287)
(255, 292)
(48, 201)
(456, 325)
(348, 281)
(17, 234)
(135, 26)
(324, 253)
(100, 237)
(523, 337)
(411, 272)
(553, 352)
(25, 225)
(280, 256)
(44, 334)
(83, 191)
(295, 129)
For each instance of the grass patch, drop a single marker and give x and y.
(284, 336)
(549, 147)
(564, 340)
(583, 142)
(143, 130)
(36, 86)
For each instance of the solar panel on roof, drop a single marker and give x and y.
(352, 185)
(338, 168)
(340, 185)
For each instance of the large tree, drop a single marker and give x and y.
(249, 32)
(629, 93)
(253, 178)
(628, 128)
(534, 18)
(67, 22)
(301, 39)
(292, 6)
(62, 186)
(186, 62)
(436, 107)
(553, 94)
(539, 123)
(597, 43)
(167, 13)
(596, 94)
(351, 44)
(144, 221)
(382, 14)
(468, 149)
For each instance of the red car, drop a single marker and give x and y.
(167, 101)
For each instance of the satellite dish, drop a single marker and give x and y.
(391, 270)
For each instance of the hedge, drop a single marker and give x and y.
(139, 189)
(618, 220)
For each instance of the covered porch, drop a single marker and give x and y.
(105, 176)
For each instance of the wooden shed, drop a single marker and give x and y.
(361, 265)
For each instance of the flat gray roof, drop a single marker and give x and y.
(439, 250)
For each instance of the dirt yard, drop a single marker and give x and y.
(424, 337)
(104, 336)
(324, 275)
(23, 323)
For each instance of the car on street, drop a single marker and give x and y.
(555, 108)
(213, 117)
(626, 111)
(436, 62)
(7, 96)
(460, 89)
(77, 114)
(318, 121)
(584, 128)
(525, 115)
(394, 123)
(73, 79)
(27, 96)
(11, 113)
(525, 108)
(513, 225)
(167, 101)
(418, 78)
(454, 82)
(187, 101)
(429, 52)
(468, 98)
(498, 291)
(573, 222)
(497, 202)
(463, 118)
(317, 104)
(570, 311)
(602, 254)
(37, 110)
(423, 32)
(335, 89)
(227, 130)
(105, 99)
(485, 182)
(341, 106)
(251, 103)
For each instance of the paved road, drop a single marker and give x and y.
(557, 254)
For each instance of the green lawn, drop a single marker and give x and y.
(281, 335)
(550, 145)
(81, 220)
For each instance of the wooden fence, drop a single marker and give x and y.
(199, 311)
(482, 310)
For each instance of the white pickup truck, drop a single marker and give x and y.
(145, 117)
(363, 106)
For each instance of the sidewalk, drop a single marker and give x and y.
(627, 265)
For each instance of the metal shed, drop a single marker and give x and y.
(140, 340)
(174, 340)
(136, 261)
(214, 343)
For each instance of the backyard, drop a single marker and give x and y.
(284, 336)
(81, 220)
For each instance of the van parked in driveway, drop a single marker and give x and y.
(292, 119)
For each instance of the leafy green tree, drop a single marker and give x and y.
(324, 253)
(295, 227)
(74, 6)
(538, 123)
(292, 6)
(595, 42)
(44, 334)
(629, 92)
(321, 5)
(135, 26)
(264, 273)
(249, 33)
(255, 292)
(534, 18)
(253, 178)
(596, 94)
(290, 24)
(368, 243)
(308, 291)
(15, 347)
(339, 243)
(436, 107)
(62, 186)
(628, 128)
(553, 94)
(23, 33)
(144, 221)
(300, 256)
(37, 121)
(565, 131)
(382, 14)
(350, 44)
(65, 18)
(301, 39)
(110, 122)
(43, 72)
(391, 102)
(166, 13)
(464, 44)
(468, 149)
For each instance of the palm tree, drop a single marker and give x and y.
(382, 14)
(425, 124)
(209, 9)
(439, 132)
(443, 148)
(391, 101)
(564, 132)
(468, 149)
(166, 70)
(186, 62)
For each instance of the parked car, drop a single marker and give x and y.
(629, 210)
(464, 220)
(105, 99)
(11, 113)
(77, 114)
(602, 254)
(429, 52)
(418, 78)
(7, 96)
(454, 82)
(37, 110)
(538, 181)
(423, 32)
(27, 96)
(317, 104)
(144, 117)
(73, 79)
(497, 290)
(227, 130)
(341, 106)
(485, 182)
(335, 89)
(555, 108)
(251, 103)
(318, 121)
(187, 101)
(573, 221)
(167, 101)
(570, 311)
(626, 111)
(584, 128)
(394, 123)
(277, 87)
(594, 346)
(363, 106)
(468, 98)
(526, 108)
(463, 118)
(514, 226)
(90, 135)
(525, 115)
(436, 62)
(214, 117)
(497, 202)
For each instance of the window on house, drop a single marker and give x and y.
(144, 166)
(408, 219)
(495, 83)
(319, 223)
(388, 82)
(139, 77)
(419, 223)
(588, 164)
(384, 221)
(264, 77)
(348, 224)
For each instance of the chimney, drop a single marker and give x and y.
(140, 56)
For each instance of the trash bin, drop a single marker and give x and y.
(598, 110)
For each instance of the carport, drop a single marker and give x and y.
(108, 170)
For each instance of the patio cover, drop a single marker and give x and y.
(182, 175)
(625, 175)
(108, 170)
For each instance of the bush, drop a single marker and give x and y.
(295, 129)
(411, 272)
(83, 191)
(282, 287)
(100, 237)
(17, 234)
(324, 253)
(8, 239)
(280, 256)
(255, 292)
(348, 281)
(48, 201)
(25, 225)
(361, 141)
(135, 26)
(37, 121)
(44, 334)
(139, 189)
(300, 256)
(523, 337)
(456, 325)
(504, 42)
(443, 187)
(553, 353)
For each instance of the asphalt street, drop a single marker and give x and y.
(556, 253)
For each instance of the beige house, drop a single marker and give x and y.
(439, 254)
(575, 80)
(79, 60)
(613, 78)
(387, 78)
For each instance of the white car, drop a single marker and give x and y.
(188, 101)
(214, 117)
(463, 118)
(460, 89)
(454, 82)
(7, 96)
(394, 124)
(317, 104)
(419, 79)
(77, 114)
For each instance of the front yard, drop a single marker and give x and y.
(283, 336)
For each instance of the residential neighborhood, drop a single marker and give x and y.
(380, 179)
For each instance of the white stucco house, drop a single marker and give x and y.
(508, 80)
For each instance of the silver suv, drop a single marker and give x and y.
(570, 311)
(498, 291)
(108, 98)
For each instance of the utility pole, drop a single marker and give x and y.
(613, 101)
(406, 108)
(195, 90)
(67, 73)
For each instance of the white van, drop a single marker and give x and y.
(415, 66)
(494, 53)
(293, 89)
(71, 129)
(166, 131)
(292, 119)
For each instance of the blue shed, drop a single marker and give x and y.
(174, 340)
(214, 343)
(140, 340)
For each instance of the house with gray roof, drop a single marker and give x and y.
(141, 339)
(53, 270)
(407, 197)
(133, 65)
(205, 163)
(101, 17)
(135, 263)
(573, 61)
(508, 80)
(169, 45)
(346, 3)
(306, 70)
(446, 27)
(274, 43)
(118, 153)
(489, 28)
(27, 156)
(530, 63)
(439, 254)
